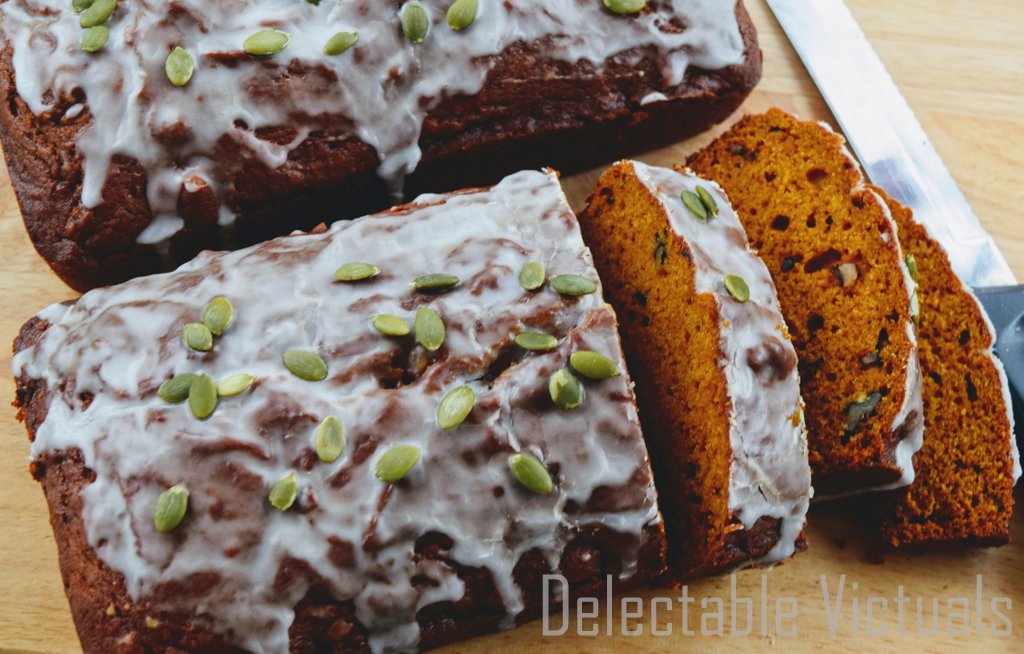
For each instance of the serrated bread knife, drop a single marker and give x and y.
(897, 155)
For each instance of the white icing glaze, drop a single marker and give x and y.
(769, 473)
(119, 343)
(384, 87)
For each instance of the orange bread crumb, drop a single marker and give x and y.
(714, 374)
(833, 252)
(963, 489)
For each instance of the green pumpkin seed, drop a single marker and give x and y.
(593, 365)
(625, 6)
(532, 276)
(197, 336)
(330, 439)
(862, 407)
(97, 13)
(536, 341)
(415, 22)
(305, 365)
(283, 492)
(461, 14)
(78, 6)
(455, 407)
(390, 325)
(355, 272)
(531, 473)
(693, 203)
(175, 389)
(737, 288)
(94, 38)
(218, 314)
(396, 463)
(179, 66)
(566, 391)
(233, 385)
(429, 329)
(911, 266)
(340, 43)
(170, 508)
(435, 282)
(267, 42)
(202, 397)
(573, 285)
(707, 200)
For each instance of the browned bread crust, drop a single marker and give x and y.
(532, 111)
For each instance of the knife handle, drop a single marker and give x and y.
(1005, 308)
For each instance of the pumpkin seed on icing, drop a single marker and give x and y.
(97, 13)
(78, 6)
(531, 473)
(573, 285)
(415, 22)
(202, 397)
(218, 314)
(455, 407)
(536, 341)
(461, 14)
(390, 325)
(330, 439)
(429, 329)
(565, 390)
(197, 336)
(175, 389)
(233, 385)
(340, 43)
(305, 365)
(396, 463)
(356, 272)
(434, 282)
(284, 491)
(179, 66)
(707, 200)
(911, 266)
(737, 288)
(169, 509)
(532, 275)
(267, 42)
(94, 38)
(694, 204)
(625, 6)
(593, 365)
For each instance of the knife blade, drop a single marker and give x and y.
(885, 135)
(898, 156)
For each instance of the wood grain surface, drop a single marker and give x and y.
(961, 66)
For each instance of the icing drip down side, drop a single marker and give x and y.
(381, 89)
(769, 473)
(104, 358)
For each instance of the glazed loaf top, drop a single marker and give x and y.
(382, 88)
(103, 359)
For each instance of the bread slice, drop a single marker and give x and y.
(715, 370)
(832, 248)
(966, 469)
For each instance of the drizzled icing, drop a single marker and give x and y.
(117, 345)
(382, 88)
(769, 472)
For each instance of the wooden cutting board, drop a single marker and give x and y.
(960, 64)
